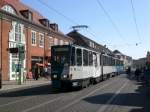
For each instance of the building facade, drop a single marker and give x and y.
(127, 60)
(22, 26)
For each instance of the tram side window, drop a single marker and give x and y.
(109, 61)
(79, 57)
(100, 59)
(73, 56)
(104, 60)
(113, 61)
(85, 58)
(90, 58)
(95, 59)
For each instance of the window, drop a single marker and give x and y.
(17, 33)
(95, 59)
(61, 42)
(90, 44)
(79, 57)
(85, 58)
(100, 59)
(66, 43)
(33, 38)
(30, 17)
(51, 42)
(90, 58)
(9, 9)
(73, 56)
(55, 41)
(41, 40)
(104, 60)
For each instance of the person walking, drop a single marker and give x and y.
(137, 74)
(45, 71)
(147, 74)
(36, 73)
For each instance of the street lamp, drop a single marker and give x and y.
(0, 78)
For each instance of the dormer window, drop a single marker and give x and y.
(27, 14)
(54, 26)
(44, 22)
(9, 9)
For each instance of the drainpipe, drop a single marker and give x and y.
(26, 38)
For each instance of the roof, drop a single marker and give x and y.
(116, 52)
(19, 6)
(84, 41)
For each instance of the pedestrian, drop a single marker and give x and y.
(147, 74)
(137, 74)
(128, 71)
(30, 76)
(45, 71)
(36, 72)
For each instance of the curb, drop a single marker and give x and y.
(22, 88)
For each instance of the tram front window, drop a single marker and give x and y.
(61, 59)
(60, 56)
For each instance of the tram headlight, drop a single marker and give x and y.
(64, 76)
(54, 76)
(70, 76)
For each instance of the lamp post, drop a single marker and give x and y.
(0, 78)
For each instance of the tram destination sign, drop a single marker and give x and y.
(61, 49)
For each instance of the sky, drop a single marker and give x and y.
(118, 31)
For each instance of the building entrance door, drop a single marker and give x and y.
(14, 62)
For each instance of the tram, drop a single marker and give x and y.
(76, 66)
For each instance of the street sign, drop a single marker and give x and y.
(13, 50)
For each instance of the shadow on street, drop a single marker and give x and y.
(139, 99)
(42, 90)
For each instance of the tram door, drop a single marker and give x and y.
(96, 68)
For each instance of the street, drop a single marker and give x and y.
(118, 94)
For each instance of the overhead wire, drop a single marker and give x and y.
(135, 21)
(75, 23)
(66, 17)
(110, 19)
(59, 13)
(114, 24)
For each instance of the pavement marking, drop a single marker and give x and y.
(40, 105)
(17, 101)
(103, 108)
(77, 100)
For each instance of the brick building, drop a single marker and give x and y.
(22, 26)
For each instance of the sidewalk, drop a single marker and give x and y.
(8, 86)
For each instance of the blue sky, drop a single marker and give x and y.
(88, 12)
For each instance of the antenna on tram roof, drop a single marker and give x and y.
(77, 27)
